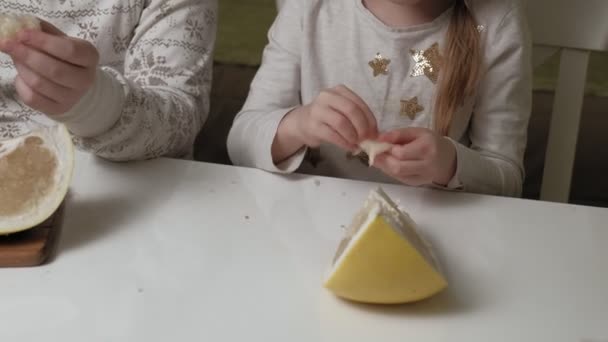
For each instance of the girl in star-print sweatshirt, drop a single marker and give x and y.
(447, 83)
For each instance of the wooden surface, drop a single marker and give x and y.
(32, 247)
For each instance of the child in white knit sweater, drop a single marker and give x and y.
(130, 79)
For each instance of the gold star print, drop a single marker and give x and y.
(410, 108)
(380, 65)
(428, 62)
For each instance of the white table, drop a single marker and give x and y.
(183, 251)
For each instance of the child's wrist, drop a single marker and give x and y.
(287, 140)
(448, 163)
(292, 127)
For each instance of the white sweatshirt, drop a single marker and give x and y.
(319, 44)
(151, 96)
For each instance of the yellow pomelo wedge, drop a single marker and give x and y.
(382, 260)
(35, 173)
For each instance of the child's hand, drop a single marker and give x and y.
(337, 116)
(420, 157)
(54, 71)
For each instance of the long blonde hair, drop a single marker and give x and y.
(461, 68)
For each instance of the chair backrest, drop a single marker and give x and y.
(568, 24)
(574, 29)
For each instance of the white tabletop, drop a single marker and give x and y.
(184, 251)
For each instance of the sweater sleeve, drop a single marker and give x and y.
(156, 105)
(274, 93)
(493, 163)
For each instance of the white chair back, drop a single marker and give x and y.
(574, 29)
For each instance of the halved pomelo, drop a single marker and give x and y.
(35, 173)
(382, 259)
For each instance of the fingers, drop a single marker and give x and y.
(50, 28)
(62, 73)
(342, 125)
(54, 71)
(35, 100)
(416, 150)
(399, 168)
(409, 172)
(71, 50)
(326, 133)
(403, 136)
(412, 144)
(369, 116)
(42, 85)
(415, 181)
(354, 123)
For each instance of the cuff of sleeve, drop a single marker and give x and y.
(467, 163)
(455, 183)
(98, 110)
(289, 165)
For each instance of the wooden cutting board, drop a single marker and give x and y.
(32, 247)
